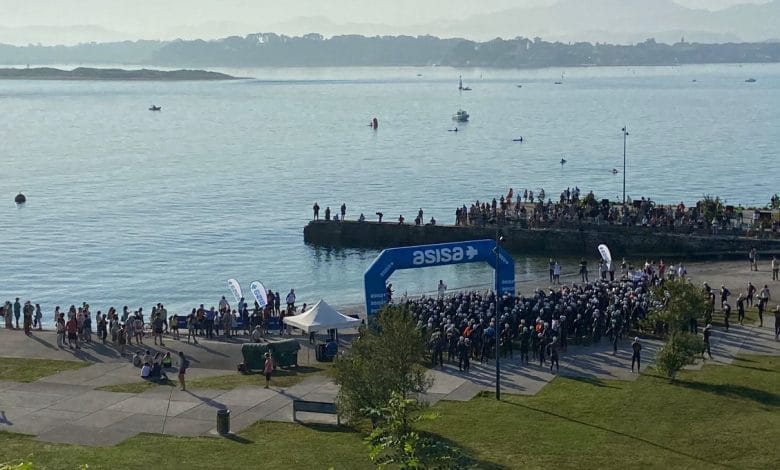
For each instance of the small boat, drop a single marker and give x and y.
(563, 161)
(155, 108)
(558, 83)
(614, 171)
(750, 80)
(20, 198)
(517, 140)
(519, 86)
(460, 116)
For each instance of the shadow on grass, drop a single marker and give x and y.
(734, 391)
(238, 439)
(620, 433)
(590, 381)
(328, 427)
(467, 459)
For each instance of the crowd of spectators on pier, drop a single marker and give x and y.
(572, 206)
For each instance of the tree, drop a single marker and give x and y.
(679, 306)
(679, 351)
(395, 442)
(385, 358)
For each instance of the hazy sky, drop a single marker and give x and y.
(155, 17)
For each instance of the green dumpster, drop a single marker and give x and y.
(254, 355)
(285, 353)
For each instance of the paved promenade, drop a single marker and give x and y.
(65, 407)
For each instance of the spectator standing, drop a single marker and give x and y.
(316, 209)
(636, 347)
(183, 365)
(442, 289)
(268, 369)
(17, 311)
(775, 268)
(707, 335)
(290, 301)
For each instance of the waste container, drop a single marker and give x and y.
(254, 355)
(223, 422)
(285, 353)
(320, 353)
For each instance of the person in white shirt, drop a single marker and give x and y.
(146, 371)
(291, 300)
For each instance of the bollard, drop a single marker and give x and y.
(223, 422)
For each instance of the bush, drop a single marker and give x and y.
(680, 350)
(386, 358)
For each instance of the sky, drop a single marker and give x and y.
(74, 21)
(154, 16)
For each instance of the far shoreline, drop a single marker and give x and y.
(113, 74)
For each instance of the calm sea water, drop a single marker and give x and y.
(130, 207)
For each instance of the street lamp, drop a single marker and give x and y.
(625, 137)
(499, 239)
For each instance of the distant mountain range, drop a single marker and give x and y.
(314, 50)
(610, 21)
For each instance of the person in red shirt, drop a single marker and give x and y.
(71, 328)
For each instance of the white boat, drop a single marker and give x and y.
(461, 116)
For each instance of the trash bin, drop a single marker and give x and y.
(254, 355)
(321, 353)
(223, 422)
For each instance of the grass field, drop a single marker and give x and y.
(719, 417)
(29, 370)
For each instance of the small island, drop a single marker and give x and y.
(85, 73)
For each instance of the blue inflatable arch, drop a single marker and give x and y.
(426, 256)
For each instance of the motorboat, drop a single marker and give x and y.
(460, 85)
(461, 116)
(750, 80)
(155, 108)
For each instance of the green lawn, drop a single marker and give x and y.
(29, 370)
(719, 417)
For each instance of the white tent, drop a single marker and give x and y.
(321, 317)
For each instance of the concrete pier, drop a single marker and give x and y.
(573, 241)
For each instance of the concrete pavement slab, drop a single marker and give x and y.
(25, 399)
(52, 388)
(140, 423)
(11, 417)
(102, 418)
(176, 426)
(245, 396)
(149, 406)
(92, 401)
(71, 433)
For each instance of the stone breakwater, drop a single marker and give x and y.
(572, 241)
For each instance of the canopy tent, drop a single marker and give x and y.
(321, 317)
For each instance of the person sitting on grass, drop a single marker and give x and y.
(257, 334)
(138, 360)
(167, 361)
(146, 371)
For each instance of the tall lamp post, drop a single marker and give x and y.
(499, 239)
(625, 137)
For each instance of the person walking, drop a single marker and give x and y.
(726, 315)
(553, 353)
(775, 269)
(636, 347)
(584, 270)
(763, 299)
(268, 369)
(777, 323)
(707, 336)
(183, 365)
(741, 309)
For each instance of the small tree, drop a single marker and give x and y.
(679, 351)
(395, 442)
(678, 305)
(386, 358)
